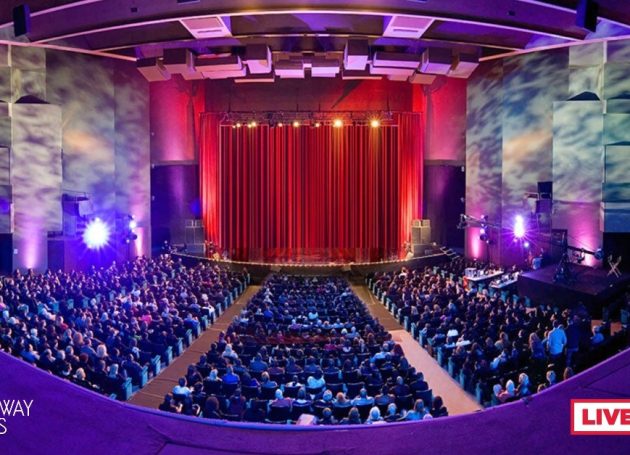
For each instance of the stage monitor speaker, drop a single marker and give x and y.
(587, 14)
(421, 234)
(421, 249)
(194, 235)
(21, 20)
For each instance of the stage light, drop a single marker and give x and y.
(599, 254)
(519, 227)
(375, 123)
(296, 124)
(482, 231)
(132, 223)
(238, 124)
(249, 125)
(280, 124)
(526, 245)
(317, 124)
(96, 234)
(337, 123)
(254, 124)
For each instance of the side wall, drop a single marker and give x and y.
(550, 116)
(71, 123)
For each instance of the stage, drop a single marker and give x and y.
(259, 270)
(592, 287)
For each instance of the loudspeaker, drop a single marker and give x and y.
(21, 20)
(6, 254)
(543, 206)
(194, 235)
(545, 190)
(587, 14)
(426, 223)
(421, 235)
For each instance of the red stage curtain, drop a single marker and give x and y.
(311, 194)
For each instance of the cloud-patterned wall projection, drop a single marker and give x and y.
(544, 111)
(77, 123)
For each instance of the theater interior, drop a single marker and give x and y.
(302, 226)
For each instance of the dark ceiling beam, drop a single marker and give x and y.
(103, 16)
(191, 42)
(571, 6)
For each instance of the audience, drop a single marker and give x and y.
(306, 345)
(487, 339)
(102, 327)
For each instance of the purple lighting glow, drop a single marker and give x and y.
(96, 234)
(519, 227)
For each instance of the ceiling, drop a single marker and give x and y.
(140, 29)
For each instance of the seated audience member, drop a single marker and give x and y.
(253, 413)
(213, 383)
(438, 409)
(400, 389)
(508, 393)
(181, 390)
(524, 387)
(551, 378)
(374, 416)
(363, 399)
(229, 377)
(212, 408)
(598, 337)
(418, 413)
(236, 404)
(354, 418)
(326, 418)
(281, 401)
(392, 414)
(568, 372)
(168, 405)
(384, 398)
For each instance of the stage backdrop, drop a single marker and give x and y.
(311, 194)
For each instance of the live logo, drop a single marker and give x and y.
(600, 417)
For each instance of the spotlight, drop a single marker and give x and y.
(337, 123)
(96, 234)
(132, 223)
(526, 245)
(238, 124)
(375, 123)
(249, 125)
(296, 124)
(317, 124)
(519, 227)
(280, 125)
(254, 124)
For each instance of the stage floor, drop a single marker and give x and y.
(592, 287)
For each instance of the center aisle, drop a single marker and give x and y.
(456, 399)
(153, 393)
